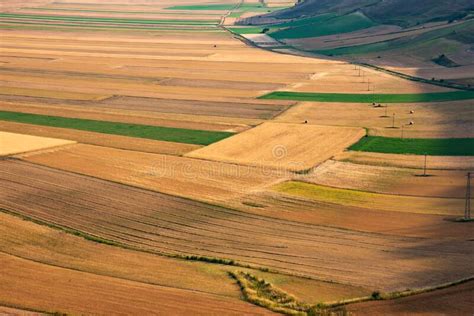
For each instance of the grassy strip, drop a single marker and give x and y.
(416, 146)
(178, 135)
(106, 20)
(369, 98)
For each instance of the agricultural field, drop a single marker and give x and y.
(191, 157)
(282, 146)
(12, 143)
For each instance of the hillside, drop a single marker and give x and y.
(433, 41)
(384, 11)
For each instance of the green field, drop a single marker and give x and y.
(369, 98)
(178, 135)
(416, 146)
(323, 25)
(13, 16)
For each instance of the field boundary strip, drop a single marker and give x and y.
(171, 134)
(369, 98)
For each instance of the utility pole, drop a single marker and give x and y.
(467, 207)
(393, 120)
(368, 84)
(424, 167)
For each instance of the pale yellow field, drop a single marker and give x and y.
(282, 146)
(12, 143)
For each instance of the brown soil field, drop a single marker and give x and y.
(407, 161)
(9, 311)
(456, 300)
(374, 201)
(42, 244)
(12, 143)
(430, 120)
(283, 146)
(192, 178)
(83, 293)
(114, 141)
(173, 225)
(293, 208)
(45, 93)
(389, 180)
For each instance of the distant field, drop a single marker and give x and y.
(372, 201)
(216, 7)
(179, 135)
(369, 98)
(417, 146)
(104, 20)
(325, 25)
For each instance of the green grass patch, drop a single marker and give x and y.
(416, 146)
(369, 98)
(178, 135)
(323, 25)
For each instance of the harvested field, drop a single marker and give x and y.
(284, 146)
(301, 210)
(83, 293)
(389, 180)
(376, 201)
(12, 143)
(51, 94)
(114, 141)
(431, 120)
(178, 135)
(456, 300)
(407, 161)
(45, 245)
(191, 178)
(162, 223)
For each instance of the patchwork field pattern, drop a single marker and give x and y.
(198, 155)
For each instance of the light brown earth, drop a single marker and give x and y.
(408, 161)
(282, 146)
(42, 244)
(169, 224)
(457, 300)
(431, 120)
(12, 143)
(389, 180)
(83, 293)
(191, 178)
